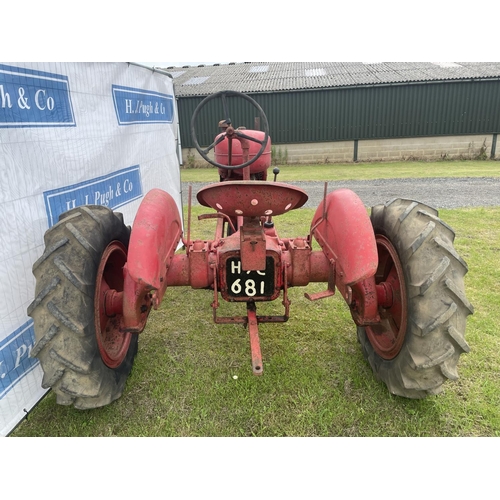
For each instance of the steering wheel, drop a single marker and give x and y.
(230, 132)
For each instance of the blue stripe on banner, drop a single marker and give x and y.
(30, 98)
(15, 361)
(134, 106)
(112, 190)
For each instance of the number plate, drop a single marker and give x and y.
(249, 283)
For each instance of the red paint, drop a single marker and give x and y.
(387, 336)
(230, 152)
(112, 339)
(346, 236)
(229, 264)
(253, 332)
(252, 198)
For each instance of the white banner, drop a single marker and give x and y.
(70, 134)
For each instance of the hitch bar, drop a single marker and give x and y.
(253, 331)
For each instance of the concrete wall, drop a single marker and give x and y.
(426, 148)
(414, 148)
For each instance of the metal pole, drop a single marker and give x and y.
(493, 147)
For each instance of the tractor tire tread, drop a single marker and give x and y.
(63, 309)
(437, 304)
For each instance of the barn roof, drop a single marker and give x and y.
(263, 77)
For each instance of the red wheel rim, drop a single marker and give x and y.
(387, 337)
(112, 340)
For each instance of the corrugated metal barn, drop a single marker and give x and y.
(338, 111)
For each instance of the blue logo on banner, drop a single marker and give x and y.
(15, 361)
(142, 106)
(112, 190)
(30, 98)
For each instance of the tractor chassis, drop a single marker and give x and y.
(264, 264)
(396, 270)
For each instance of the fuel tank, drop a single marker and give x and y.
(260, 165)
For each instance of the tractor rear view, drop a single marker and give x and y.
(397, 271)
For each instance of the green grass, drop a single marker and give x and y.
(365, 171)
(315, 382)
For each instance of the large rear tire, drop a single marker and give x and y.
(416, 347)
(85, 356)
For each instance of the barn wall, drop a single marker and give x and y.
(456, 108)
(414, 148)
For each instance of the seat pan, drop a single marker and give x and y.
(252, 198)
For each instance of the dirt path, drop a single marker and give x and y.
(437, 192)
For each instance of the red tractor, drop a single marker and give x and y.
(397, 271)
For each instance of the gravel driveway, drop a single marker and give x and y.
(437, 192)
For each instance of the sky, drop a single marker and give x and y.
(387, 30)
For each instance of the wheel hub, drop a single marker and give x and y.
(387, 337)
(112, 340)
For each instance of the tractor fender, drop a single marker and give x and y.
(342, 227)
(155, 235)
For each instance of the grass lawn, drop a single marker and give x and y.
(365, 171)
(316, 381)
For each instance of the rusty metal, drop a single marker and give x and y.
(354, 253)
(218, 215)
(113, 303)
(280, 284)
(331, 286)
(319, 220)
(247, 262)
(232, 248)
(363, 302)
(252, 264)
(156, 232)
(385, 295)
(137, 303)
(252, 198)
(112, 339)
(199, 264)
(190, 193)
(253, 246)
(253, 332)
(388, 334)
(300, 253)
